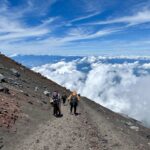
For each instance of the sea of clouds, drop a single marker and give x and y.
(120, 84)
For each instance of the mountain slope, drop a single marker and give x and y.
(26, 120)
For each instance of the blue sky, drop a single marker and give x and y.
(75, 27)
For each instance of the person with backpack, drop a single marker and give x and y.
(56, 104)
(73, 99)
(64, 97)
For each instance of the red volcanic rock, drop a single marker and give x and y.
(9, 112)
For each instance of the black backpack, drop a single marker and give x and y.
(55, 97)
(64, 96)
(74, 99)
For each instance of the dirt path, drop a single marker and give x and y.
(78, 133)
(69, 132)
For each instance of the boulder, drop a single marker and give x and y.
(15, 72)
(2, 78)
(4, 90)
(47, 93)
(148, 136)
(1, 89)
(22, 68)
(17, 84)
(129, 123)
(44, 102)
(1, 66)
(30, 102)
(134, 128)
(1, 146)
(26, 94)
(36, 89)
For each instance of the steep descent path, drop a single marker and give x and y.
(89, 130)
(69, 132)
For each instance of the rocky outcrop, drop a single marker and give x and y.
(15, 72)
(47, 93)
(2, 78)
(4, 90)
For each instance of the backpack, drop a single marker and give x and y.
(55, 97)
(64, 97)
(74, 100)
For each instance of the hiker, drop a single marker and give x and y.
(73, 99)
(64, 97)
(56, 104)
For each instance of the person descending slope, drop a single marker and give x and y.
(73, 99)
(64, 97)
(56, 104)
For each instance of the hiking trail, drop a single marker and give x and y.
(79, 132)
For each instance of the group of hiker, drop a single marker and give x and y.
(56, 99)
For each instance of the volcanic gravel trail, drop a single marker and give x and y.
(65, 133)
(80, 132)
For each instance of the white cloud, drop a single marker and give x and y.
(15, 31)
(80, 34)
(73, 35)
(62, 72)
(115, 86)
(138, 18)
(13, 26)
(84, 17)
(146, 66)
(28, 33)
(89, 6)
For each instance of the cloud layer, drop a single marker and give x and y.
(122, 86)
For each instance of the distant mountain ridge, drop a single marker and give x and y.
(38, 60)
